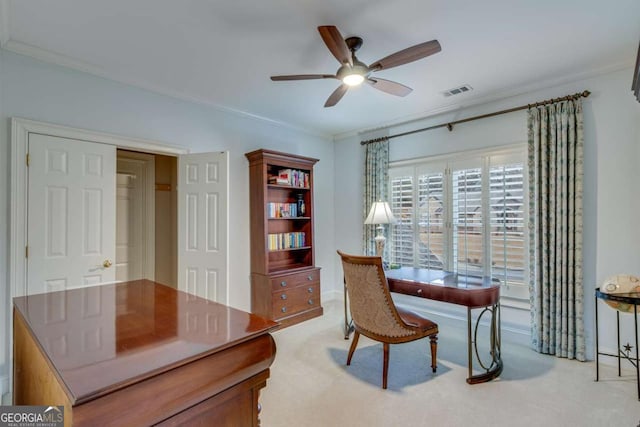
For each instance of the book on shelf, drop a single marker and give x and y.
(278, 180)
(292, 177)
(285, 174)
(281, 241)
(282, 210)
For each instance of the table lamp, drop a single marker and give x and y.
(380, 214)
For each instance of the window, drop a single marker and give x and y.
(463, 214)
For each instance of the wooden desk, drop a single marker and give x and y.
(140, 353)
(469, 291)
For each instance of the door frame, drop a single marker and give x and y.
(20, 130)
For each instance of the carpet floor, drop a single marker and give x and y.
(310, 385)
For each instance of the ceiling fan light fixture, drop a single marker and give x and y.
(353, 75)
(353, 79)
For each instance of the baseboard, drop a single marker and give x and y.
(511, 332)
(332, 295)
(627, 367)
(457, 315)
(4, 388)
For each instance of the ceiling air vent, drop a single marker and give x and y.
(457, 90)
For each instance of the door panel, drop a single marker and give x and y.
(71, 213)
(202, 225)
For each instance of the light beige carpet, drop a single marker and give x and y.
(311, 386)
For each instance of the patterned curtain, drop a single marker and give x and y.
(555, 159)
(376, 178)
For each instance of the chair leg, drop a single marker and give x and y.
(385, 364)
(354, 344)
(433, 340)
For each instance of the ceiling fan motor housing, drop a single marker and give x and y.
(359, 67)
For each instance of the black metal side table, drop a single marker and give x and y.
(631, 298)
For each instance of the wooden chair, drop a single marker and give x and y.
(374, 313)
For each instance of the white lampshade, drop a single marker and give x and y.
(380, 213)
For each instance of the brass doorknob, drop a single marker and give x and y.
(107, 263)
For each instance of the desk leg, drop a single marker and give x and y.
(635, 318)
(469, 340)
(493, 369)
(618, 328)
(597, 345)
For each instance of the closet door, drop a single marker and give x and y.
(71, 213)
(202, 225)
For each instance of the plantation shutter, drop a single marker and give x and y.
(431, 219)
(506, 192)
(402, 239)
(467, 221)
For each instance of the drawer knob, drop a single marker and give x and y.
(309, 277)
(283, 309)
(283, 283)
(310, 290)
(283, 296)
(310, 302)
(419, 291)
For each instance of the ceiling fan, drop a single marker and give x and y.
(353, 72)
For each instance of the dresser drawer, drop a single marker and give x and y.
(289, 281)
(296, 300)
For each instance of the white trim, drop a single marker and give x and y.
(20, 130)
(480, 158)
(497, 96)
(18, 213)
(4, 388)
(69, 62)
(516, 147)
(4, 22)
(510, 332)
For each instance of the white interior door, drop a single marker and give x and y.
(129, 241)
(202, 224)
(71, 213)
(135, 217)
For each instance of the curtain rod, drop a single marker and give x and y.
(449, 125)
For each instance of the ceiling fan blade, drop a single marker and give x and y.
(336, 95)
(303, 77)
(390, 87)
(407, 55)
(335, 42)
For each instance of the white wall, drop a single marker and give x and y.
(611, 202)
(39, 91)
(4, 244)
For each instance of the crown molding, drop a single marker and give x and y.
(4, 22)
(489, 98)
(78, 65)
(72, 63)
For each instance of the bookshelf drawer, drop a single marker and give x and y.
(290, 281)
(296, 300)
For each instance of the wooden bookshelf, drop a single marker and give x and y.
(285, 283)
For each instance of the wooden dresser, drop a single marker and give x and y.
(140, 353)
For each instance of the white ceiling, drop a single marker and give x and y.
(222, 52)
